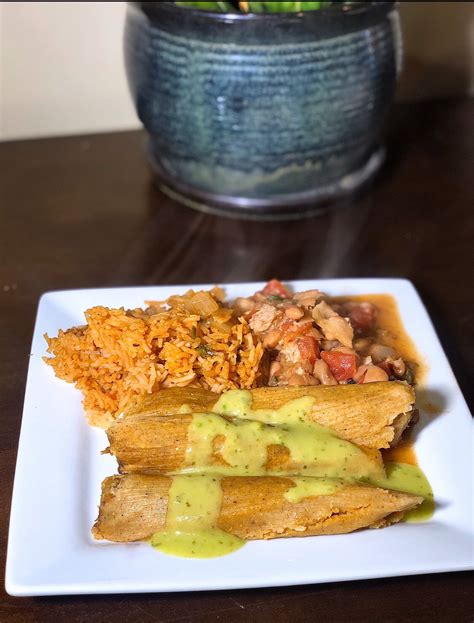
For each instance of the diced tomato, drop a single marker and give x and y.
(309, 348)
(292, 330)
(342, 365)
(276, 288)
(362, 317)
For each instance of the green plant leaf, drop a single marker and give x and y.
(263, 7)
(217, 7)
(287, 7)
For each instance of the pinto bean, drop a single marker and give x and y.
(380, 352)
(362, 344)
(399, 367)
(294, 312)
(242, 304)
(272, 338)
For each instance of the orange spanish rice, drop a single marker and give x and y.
(121, 354)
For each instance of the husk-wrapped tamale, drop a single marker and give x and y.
(134, 507)
(153, 444)
(373, 415)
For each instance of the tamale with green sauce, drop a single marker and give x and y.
(373, 415)
(134, 507)
(154, 444)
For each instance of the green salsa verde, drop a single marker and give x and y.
(314, 449)
(325, 463)
(194, 502)
(409, 479)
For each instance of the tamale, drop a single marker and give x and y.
(169, 401)
(154, 444)
(373, 415)
(133, 507)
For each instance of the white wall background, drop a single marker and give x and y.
(61, 69)
(61, 63)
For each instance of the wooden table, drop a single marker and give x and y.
(82, 212)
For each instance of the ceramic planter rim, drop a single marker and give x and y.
(320, 15)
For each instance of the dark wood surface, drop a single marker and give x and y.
(81, 212)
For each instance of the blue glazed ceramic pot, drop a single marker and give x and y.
(263, 114)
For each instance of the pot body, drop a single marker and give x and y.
(265, 112)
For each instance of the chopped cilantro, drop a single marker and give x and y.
(205, 351)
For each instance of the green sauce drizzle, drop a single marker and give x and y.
(409, 479)
(194, 502)
(314, 449)
(323, 463)
(311, 487)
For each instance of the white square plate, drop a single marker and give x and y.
(60, 469)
